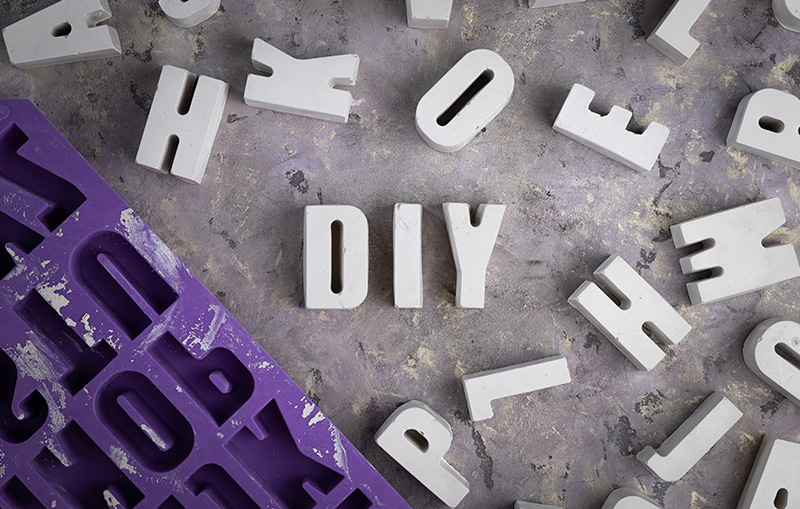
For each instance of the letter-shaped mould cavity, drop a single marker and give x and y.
(81, 362)
(483, 388)
(774, 481)
(640, 307)
(171, 503)
(550, 3)
(772, 351)
(16, 238)
(90, 476)
(465, 100)
(671, 37)
(609, 134)
(145, 421)
(407, 245)
(182, 124)
(356, 500)
(692, 440)
(121, 281)
(219, 381)
(767, 124)
(335, 257)
(65, 32)
(189, 13)
(472, 246)
(270, 453)
(428, 13)
(734, 251)
(55, 198)
(788, 13)
(628, 498)
(301, 87)
(13, 428)
(19, 496)
(418, 438)
(218, 485)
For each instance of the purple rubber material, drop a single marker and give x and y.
(117, 361)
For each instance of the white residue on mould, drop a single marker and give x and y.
(156, 332)
(44, 263)
(154, 250)
(57, 452)
(120, 459)
(263, 365)
(317, 451)
(88, 336)
(31, 362)
(18, 269)
(70, 322)
(208, 337)
(17, 259)
(51, 295)
(154, 436)
(178, 388)
(340, 454)
(111, 500)
(307, 410)
(317, 418)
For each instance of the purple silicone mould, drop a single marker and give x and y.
(122, 379)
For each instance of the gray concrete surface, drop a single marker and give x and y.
(568, 209)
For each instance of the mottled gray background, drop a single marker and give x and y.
(568, 209)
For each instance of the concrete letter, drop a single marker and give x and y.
(628, 498)
(767, 124)
(301, 87)
(733, 251)
(62, 33)
(772, 351)
(641, 306)
(428, 13)
(335, 257)
(608, 134)
(472, 247)
(189, 13)
(407, 242)
(775, 478)
(182, 126)
(788, 13)
(483, 388)
(692, 440)
(465, 100)
(418, 438)
(671, 36)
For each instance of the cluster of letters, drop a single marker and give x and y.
(178, 139)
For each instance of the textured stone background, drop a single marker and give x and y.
(568, 209)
